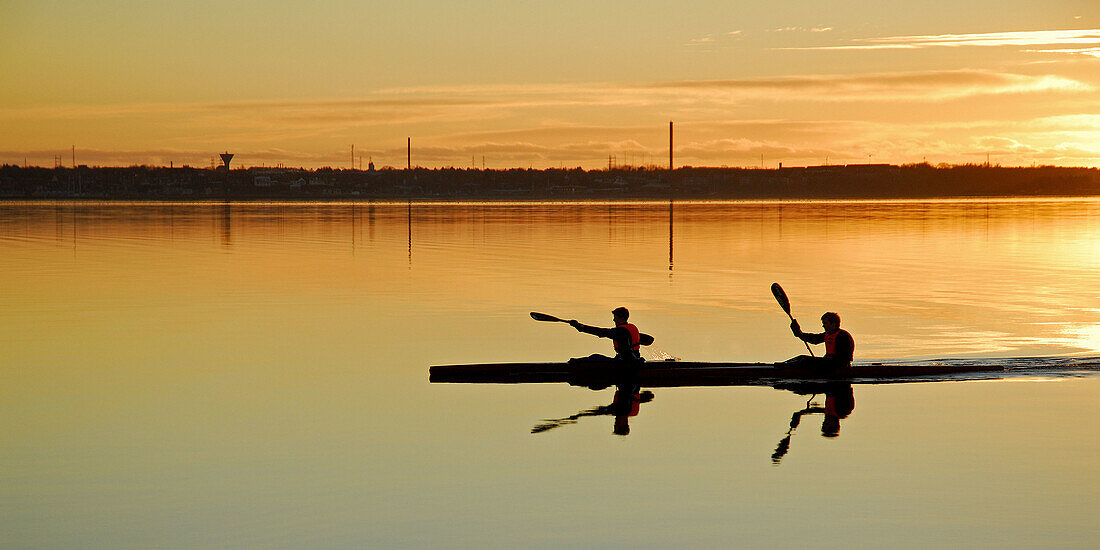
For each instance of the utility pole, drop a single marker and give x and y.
(409, 153)
(670, 145)
(353, 156)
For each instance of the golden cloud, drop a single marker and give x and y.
(1020, 38)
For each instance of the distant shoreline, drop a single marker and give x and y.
(529, 202)
(844, 182)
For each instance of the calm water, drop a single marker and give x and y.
(255, 376)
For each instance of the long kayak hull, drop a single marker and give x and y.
(682, 373)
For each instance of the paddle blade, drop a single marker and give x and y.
(781, 449)
(645, 339)
(544, 317)
(780, 297)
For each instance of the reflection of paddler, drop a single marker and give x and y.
(627, 403)
(840, 401)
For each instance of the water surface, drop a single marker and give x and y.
(255, 375)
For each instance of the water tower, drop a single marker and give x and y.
(226, 157)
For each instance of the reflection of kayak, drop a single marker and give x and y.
(683, 373)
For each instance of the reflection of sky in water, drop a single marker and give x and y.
(1084, 336)
(910, 279)
(249, 366)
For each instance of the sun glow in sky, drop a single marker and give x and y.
(566, 83)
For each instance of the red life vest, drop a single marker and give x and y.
(840, 403)
(830, 343)
(635, 402)
(635, 338)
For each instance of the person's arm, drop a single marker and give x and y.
(594, 331)
(805, 336)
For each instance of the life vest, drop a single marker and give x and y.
(840, 403)
(635, 403)
(830, 344)
(635, 338)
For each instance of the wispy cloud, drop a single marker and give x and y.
(705, 40)
(1020, 38)
(910, 86)
(744, 148)
(821, 28)
(462, 102)
(289, 108)
(1089, 122)
(925, 85)
(1092, 52)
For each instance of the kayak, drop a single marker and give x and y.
(684, 373)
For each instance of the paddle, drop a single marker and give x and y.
(544, 317)
(644, 339)
(784, 303)
(785, 443)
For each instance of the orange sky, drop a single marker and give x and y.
(567, 84)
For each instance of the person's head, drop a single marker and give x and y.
(830, 322)
(830, 426)
(621, 315)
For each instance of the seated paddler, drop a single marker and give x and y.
(625, 337)
(839, 345)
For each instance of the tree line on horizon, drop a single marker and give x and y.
(825, 182)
